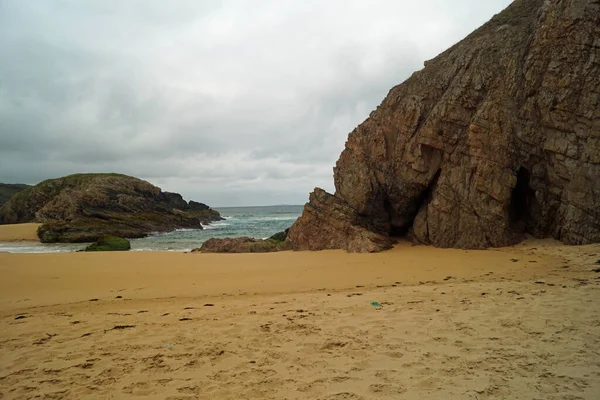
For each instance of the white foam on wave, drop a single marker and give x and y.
(153, 234)
(215, 225)
(266, 218)
(35, 248)
(159, 250)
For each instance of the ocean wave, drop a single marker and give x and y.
(152, 234)
(37, 249)
(173, 232)
(215, 225)
(150, 249)
(263, 219)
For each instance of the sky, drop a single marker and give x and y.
(227, 102)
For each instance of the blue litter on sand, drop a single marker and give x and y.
(376, 304)
(169, 346)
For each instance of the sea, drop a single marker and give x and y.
(258, 222)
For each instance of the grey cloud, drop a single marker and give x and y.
(230, 102)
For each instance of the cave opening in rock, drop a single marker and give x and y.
(521, 201)
(396, 228)
(400, 227)
(399, 231)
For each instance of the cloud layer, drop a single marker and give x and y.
(229, 103)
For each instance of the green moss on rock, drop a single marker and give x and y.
(109, 243)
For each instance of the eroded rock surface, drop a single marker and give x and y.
(497, 137)
(329, 223)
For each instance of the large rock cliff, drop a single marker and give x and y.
(85, 207)
(497, 137)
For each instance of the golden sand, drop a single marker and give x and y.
(19, 232)
(447, 324)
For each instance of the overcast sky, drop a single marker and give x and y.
(226, 102)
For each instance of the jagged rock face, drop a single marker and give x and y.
(84, 207)
(329, 223)
(175, 200)
(195, 206)
(496, 137)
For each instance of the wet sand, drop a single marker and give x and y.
(411, 323)
(19, 232)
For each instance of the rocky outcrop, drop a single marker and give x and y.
(329, 223)
(245, 244)
(109, 243)
(7, 190)
(280, 236)
(195, 206)
(497, 137)
(242, 245)
(85, 207)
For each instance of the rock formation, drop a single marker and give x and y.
(242, 244)
(496, 137)
(85, 207)
(195, 206)
(109, 243)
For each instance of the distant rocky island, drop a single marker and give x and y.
(85, 207)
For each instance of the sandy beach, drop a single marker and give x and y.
(19, 232)
(411, 323)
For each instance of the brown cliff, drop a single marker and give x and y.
(497, 137)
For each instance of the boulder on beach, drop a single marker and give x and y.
(109, 243)
(242, 245)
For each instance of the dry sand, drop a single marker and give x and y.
(516, 323)
(19, 232)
